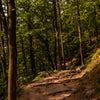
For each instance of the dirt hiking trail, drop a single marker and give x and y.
(64, 85)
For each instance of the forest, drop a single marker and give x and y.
(41, 39)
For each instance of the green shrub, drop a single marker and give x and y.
(41, 75)
(3, 90)
(96, 55)
(44, 74)
(73, 66)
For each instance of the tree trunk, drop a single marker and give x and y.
(48, 52)
(45, 41)
(3, 57)
(55, 47)
(95, 23)
(56, 33)
(4, 23)
(29, 25)
(55, 53)
(60, 28)
(24, 57)
(98, 8)
(12, 50)
(1, 70)
(79, 30)
(33, 68)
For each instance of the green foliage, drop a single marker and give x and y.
(96, 55)
(44, 74)
(73, 66)
(36, 18)
(3, 90)
(87, 60)
(56, 71)
(22, 80)
(95, 77)
(41, 75)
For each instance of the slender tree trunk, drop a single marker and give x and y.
(55, 53)
(48, 52)
(4, 23)
(12, 50)
(60, 28)
(3, 57)
(56, 32)
(99, 9)
(0, 68)
(90, 41)
(33, 68)
(95, 23)
(49, 57)
(46, 42)
(79, 30)
(55, 47)
(24, 57)
(29, 25)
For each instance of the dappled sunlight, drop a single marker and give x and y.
(55, 87)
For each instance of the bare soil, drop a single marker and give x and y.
(65, 85)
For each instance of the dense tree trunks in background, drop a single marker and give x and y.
(99, 8)
(95, 24)
(4, 23)
(1, 68)
(48, 52)
(4, 58)
(56, 32)
(12, 50)
(55, 53)
(90, 37)
(33, 67)
(46, 42)
(79, 30)
(31, 48)
(60, 31)
(24, 57)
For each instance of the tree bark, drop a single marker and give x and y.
(60, 30)
(45, 41)
(79, 30)
(56, 32)
(24, 57)
(31, 48)
(3, 57)
(99, 8)
(12, 50)
(55, 47)
(33, 68)
(4, 23)
(48, 52)
(1, 70)
(95, 23)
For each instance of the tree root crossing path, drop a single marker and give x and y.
(60, 86)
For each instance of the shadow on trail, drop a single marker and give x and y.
(60, 86)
